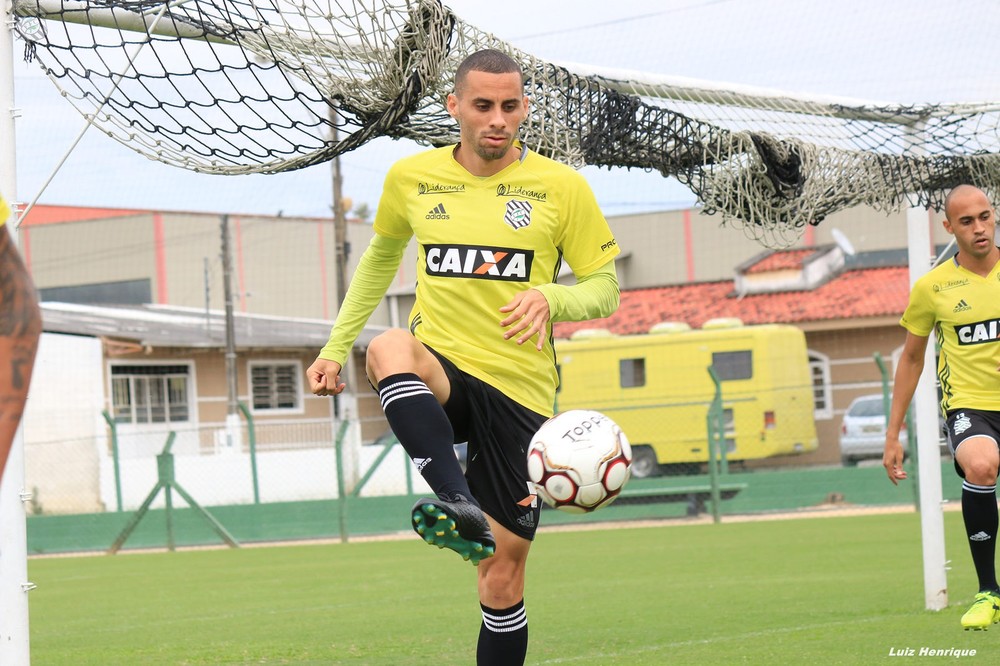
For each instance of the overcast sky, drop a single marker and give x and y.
(886, 50)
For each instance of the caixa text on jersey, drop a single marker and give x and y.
(484, 263)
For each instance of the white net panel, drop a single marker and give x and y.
(236, 87)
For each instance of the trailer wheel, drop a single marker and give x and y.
(644, 463)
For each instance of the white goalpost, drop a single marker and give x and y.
(14, 584)
(239, 87)
(926, 408)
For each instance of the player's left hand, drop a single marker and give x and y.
(529, 316)
(892, 460)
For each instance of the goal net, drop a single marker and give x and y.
(238, 87)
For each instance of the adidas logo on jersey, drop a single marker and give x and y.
(962, 306)
(438, 213)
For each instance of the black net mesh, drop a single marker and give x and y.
(235, 87)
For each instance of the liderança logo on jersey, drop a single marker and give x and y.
(978, 332)
(481, 263)
(949, 284)
(439, 188)
(504, 190)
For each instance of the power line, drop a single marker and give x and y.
(627, 19)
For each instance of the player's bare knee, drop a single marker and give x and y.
(389, 352)
(501, 582)
(982, 472)
(981, 468)
(979, 459)
(500, 590)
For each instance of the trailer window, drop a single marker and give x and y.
(632, 372)
(732, 365)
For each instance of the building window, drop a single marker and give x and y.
(632, 372)
(819, 371)
(275, 386)
(150, 393)
(733, 365)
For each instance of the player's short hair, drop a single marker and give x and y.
(490, 61)
(956, 190)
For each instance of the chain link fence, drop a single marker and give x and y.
(313, 479)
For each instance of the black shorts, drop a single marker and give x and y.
(498, 431)
(962, 424)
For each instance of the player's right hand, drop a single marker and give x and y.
(324, 377)
(892, 460)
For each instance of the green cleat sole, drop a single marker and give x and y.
(437, 529)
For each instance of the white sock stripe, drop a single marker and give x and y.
(394, 392)
(503, 619)
(407, 385)
(506, 630)
(387, 401)
(973, 488)
(501, 624)
(403, 391)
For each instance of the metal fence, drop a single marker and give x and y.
(307, 479)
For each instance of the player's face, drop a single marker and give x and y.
(971, 217)
(489, 108)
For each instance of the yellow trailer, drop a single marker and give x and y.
(657, 387)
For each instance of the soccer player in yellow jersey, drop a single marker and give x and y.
(20, 326)
(493, 222)
(960, 301)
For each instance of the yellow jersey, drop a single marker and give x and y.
(963, 309)
(481, 240)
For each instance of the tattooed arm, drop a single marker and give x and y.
(20, 327)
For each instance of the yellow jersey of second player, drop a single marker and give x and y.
(480, 242)
(963, 308)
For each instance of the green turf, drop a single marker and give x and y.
(845, 590)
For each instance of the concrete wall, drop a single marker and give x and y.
(63, 423)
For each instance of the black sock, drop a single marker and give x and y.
(979, 510)
(423, 429)
(503, 636)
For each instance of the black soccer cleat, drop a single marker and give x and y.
(457, 524)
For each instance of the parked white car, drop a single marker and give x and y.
(862, 433)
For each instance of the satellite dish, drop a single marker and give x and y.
(841, 240)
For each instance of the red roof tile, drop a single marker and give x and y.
(872, 292)
(781, 260)
(45, 214)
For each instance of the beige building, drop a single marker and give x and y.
(115, 386)
(284, 268)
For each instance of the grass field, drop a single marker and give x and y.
(831, 590)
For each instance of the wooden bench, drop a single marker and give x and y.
(696, 495)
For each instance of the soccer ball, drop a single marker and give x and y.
(579, 460)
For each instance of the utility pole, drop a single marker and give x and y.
(233, 443)
(341, 245)
(208, 298)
